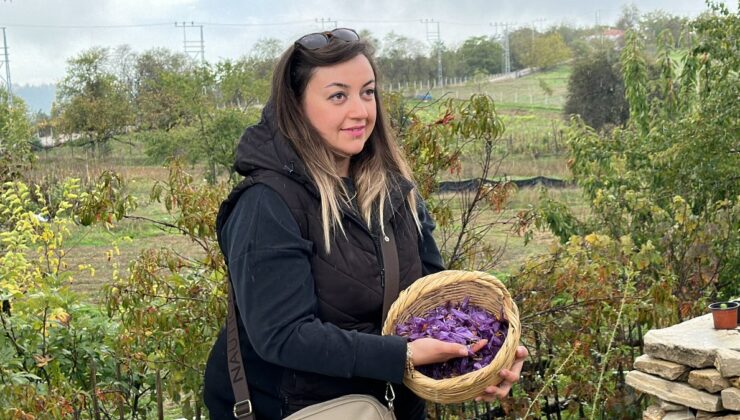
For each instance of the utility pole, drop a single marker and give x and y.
(507, 49)
(193, 49)
(433, 36)
(597, 16)
(534, 30)
(326, 22)
(6, 63)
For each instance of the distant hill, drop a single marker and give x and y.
(38, 97)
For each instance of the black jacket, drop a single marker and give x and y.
(309, 321)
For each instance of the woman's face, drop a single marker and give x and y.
(339, 102)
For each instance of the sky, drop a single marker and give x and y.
(43, 34)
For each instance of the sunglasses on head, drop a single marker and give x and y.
(319, 39)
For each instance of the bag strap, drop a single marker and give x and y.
(391, 269)
(237, 374)
(391, 276)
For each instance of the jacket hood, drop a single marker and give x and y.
(263, 146)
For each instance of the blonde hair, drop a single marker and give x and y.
(370, 169)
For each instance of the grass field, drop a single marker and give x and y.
(537, 92)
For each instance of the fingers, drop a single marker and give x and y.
(493, 393)
(522, 353)
(500, 391)
(516, 368)
(509, 376)
(477, 346)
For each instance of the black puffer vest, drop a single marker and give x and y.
(348, 281)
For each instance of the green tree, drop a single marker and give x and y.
(400, 59)
(480, 53)
(630, 17)
(264, 56)
(521, 43)
(91, 102)
(222, 133)
(205, 110)
(549, 51)
(596, 91)
(652, 24)
(15, 138)
(157, 102)
(240, 84)
(367, 35)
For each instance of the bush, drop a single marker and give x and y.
(596, 91)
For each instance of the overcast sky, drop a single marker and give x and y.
(42, 35)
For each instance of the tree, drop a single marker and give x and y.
(549, 51)
(222, 134)
(569, 33)
(267, 49)
(240, 84)
(480, 53)
(653, 23)
(91, 102)
(629, 18)
(201, 112)
(368, 37)
(399, 59)
(264, 56)
(123, 61)
(15, 138)
(157, 102)
(596, 91)
(521, 43)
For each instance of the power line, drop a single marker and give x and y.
(294, 22)
(135, 25)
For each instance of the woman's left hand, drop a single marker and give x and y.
(510, 376)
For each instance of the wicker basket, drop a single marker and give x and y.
(429, 292)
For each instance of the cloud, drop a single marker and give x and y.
(38, 54)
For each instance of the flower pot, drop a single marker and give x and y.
(738, 310)
(724, 315)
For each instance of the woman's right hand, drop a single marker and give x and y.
(425, 351)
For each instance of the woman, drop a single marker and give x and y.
(301, 236)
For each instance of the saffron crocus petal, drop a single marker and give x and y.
(461, 323)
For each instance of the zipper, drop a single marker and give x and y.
(379, 254)
(376, 245)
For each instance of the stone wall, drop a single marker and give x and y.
(691, 371)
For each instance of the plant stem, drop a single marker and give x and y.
(609, 346)
(551, 378)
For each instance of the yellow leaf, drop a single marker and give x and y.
(592, 238)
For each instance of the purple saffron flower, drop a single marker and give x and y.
(462, 323)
